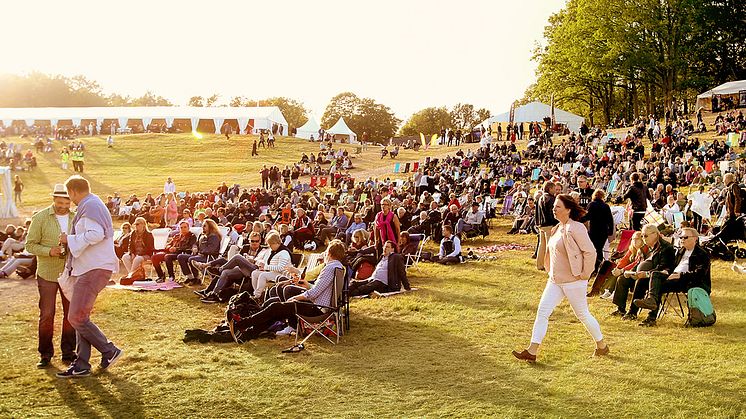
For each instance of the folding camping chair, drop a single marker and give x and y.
(160, 238)
(413, 261)
(323, 181)
(314, 181)
(332, 319)
(624, 241)
(416, 166)
(396, 167)
(406, 167)
(667, 301)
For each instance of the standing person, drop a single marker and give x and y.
(65, 156)
(43, 241)
(545, 221)
(638, 195)
(91, 262)
(169, 187)
(265, 176)
(600, 224)
(387, 226)
(569, 260)
(17, 189)
(254, 152)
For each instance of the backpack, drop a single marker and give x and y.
(701, 312)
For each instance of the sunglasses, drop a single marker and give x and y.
(686, 237)
(254, 241)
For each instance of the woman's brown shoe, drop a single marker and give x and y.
(601, 352)
(525, 355)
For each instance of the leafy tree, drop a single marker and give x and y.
(196, 101)
(150, 99)
(294, 111)
(361, 115)
(428, 121)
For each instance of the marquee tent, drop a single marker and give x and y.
(7, 205)
(536, 112)
(257, 117)
(735, 91)
(311, 127)
(340, 130)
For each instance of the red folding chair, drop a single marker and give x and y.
(314, 181)
(323, 181)
(624, 240)
(493, 189)
(416, 166)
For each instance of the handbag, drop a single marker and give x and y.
(67, 283)
(136, 275)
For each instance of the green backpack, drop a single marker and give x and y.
(701, 312)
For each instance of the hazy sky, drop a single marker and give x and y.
(405, 54)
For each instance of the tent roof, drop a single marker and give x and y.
(271, 113)
(341, 128)
(730, 88)
(536, 112)
(311, 125)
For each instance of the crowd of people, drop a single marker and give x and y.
(569, 194)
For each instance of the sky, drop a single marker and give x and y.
(406, 54)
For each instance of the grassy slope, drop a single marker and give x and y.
(441, 351)
(140, 163)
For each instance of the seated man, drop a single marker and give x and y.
(472, 221)
(523, 221)
(390, 274)
(660, 259)
(450, 248)
(337, 225)
(229, 272)
(319, 295)
(692, 271)
(421, 225)
(179, 244)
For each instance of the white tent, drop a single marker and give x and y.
(311, 127)
(735, 90)
(7, 205)
(258, 118)
(341, 129)
(536, 112)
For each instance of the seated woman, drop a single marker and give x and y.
(179, 244)
(318, 224)
(122, 243)
(408, 244)
(302, 228)
(141, 246)
(523, 221)
(207, 246)
(635, 254)
(318, 295)
(271, 265)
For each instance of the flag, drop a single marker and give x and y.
(433, 139)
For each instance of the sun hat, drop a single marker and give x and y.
(60, 191)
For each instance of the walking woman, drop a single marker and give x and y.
(570, 258)
(387, 226)
(17, 189)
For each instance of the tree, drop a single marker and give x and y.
(428, 121)
(198, 101)
(465, 117)
(294, 111)
(150, 99)
(341, 106)
(362, 115)
(210, 101)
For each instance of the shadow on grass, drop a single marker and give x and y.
(105, 391)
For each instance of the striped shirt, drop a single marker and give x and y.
(321, 293)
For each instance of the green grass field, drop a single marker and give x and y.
(442, 351)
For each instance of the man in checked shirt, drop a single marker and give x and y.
(319, 295)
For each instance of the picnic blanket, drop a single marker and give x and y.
(147, 286)
(501, 248)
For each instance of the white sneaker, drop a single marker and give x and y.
(607, 295)
(286, 331)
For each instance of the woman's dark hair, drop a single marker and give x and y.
(576, 211)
